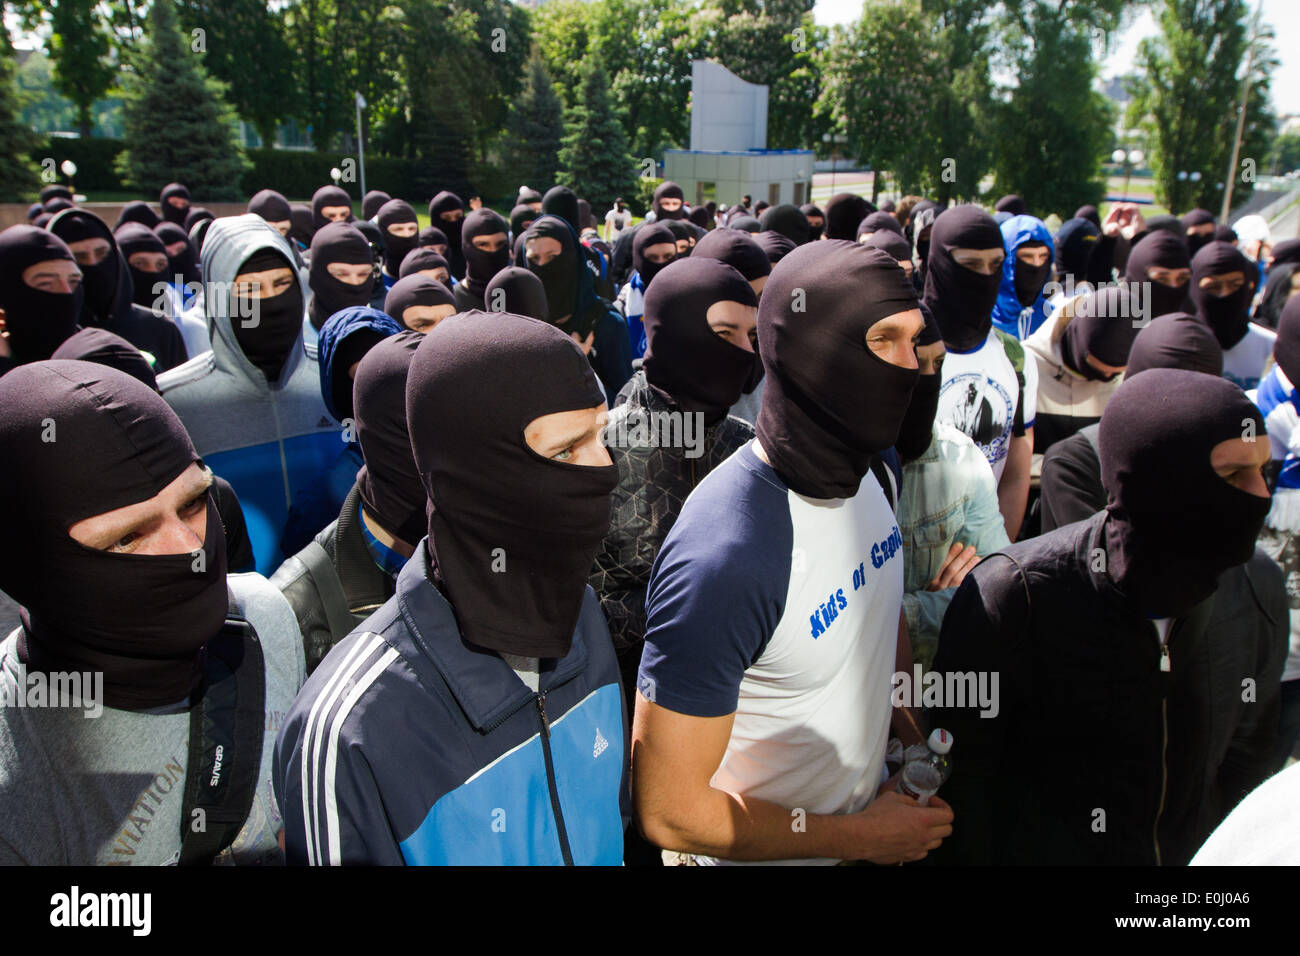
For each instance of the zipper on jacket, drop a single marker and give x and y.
(550, 782)
(1165, 666)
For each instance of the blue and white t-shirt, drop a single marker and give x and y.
(784, 610)
(1245, 363)
(981, 395)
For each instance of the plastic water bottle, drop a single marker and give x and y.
(924, 773)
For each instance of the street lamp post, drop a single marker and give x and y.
(1130, 158)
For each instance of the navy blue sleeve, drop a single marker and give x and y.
(717, 591)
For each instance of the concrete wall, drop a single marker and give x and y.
(726, 111)
(734, 174)
(14, 213)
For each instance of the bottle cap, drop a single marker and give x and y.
(940, 740)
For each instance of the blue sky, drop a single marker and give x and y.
(1283, 15)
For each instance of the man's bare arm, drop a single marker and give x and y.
(1013, 489)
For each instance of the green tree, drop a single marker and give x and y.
(594, 159)
(535, 129)
(178, 124)
(1187, 99)
(81, 48)
(17, 176)
(1285, 154)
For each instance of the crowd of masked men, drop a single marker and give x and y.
(331, 539)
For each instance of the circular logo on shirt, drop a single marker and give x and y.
(980, 407)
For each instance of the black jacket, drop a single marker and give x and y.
(1070, 488)
(1095, 755)
(365, 586)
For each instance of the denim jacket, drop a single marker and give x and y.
(948, 495)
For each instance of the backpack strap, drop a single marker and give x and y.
(337, 613)
(227, 722)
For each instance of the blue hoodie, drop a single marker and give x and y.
(1009, 315)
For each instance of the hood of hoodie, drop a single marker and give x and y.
(338, 329)
(1017, 231)
(230, 241)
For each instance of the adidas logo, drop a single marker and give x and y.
(601, 744)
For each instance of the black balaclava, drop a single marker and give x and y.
(137, 211)
(329, 196)
(651, 234)
(917, 223)
(43, 220)
(843, 213)
(140, 620)
(396, 248)
(699, 216)
(789, 221)
(491, 494)
(527, 196)
(892, 242)
(1197, 217)
(831, 404)
(375, 238)
(419, 259)
(106, 286)
(104, 348)
(1168, 251)
(776, 245)
(133, 237)
(585, 218)
(686, 362)
(1102, 326)
(738, 250)
(668, 190)
(917, 430)
(481, 266)
(433, 236)
(448, 202)
(521, 217)
(1176, 340)
(1225, 234)
(1227, 317)
(34, 210)
(56, 191)
(1174, 526)
(961, 299)
(185, 263)
(1089, 213)
(563, 277)
(760, 206)
(1012, 204)
(415, 290)
(1286, 350)
(1169, 224)
(271, 206)
(1287, 252)
(279, 318)
(1029, 280)
(388, 483)
(879, 221)
(517, 291)
(372, 202)
(1075, 242)
(810, 210)
(38, 321)
(171, 213)
(337, 242)
(302, 223)
(563, 202)
(745, 224)
(198, 235)
(681, 230)
(196, 215)
(58, 204)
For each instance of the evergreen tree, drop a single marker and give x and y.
(535, 129)
(17, 175)
(594, 159)
(178, 124)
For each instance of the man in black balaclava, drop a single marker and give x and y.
(745, 224)
(667, 201)
(650, 253)
(1198, 227)
(375, 238)
(1159, 270)
(521, 217)
(835, 327)
(1075, 243)
(530, 198)
(682, 235)
(137, 211)
(274, 208)
(303, 225)
(1222, 290)
(787, 220)
(1012, 204)
(776, 245)
(666, 206)
(1134, 703)
(330, 204)
(181, 259)
(34, 210)
(196, 215)
(816, 220)
(146, 260)
(56, 191)
(517, 291)
(107, 290)
(40, 295)
(114, 546)
(699, 216)
(342, 271)
(843, 213)
(563, 202)
(898, 249)
(400, 227)
(58, 204)
(876, 222)
(419, 303)
(738, 250)
(425, 261)
(504, 417)
(174, 201)
(372, 202)
(431, 237)
(486, 248)
(447, 212)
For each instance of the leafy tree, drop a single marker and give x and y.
(1285, 155)
(17, 176)
(594, 159)
(178, 124)
(1187, 98)
(535, 129)
(81, 48)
